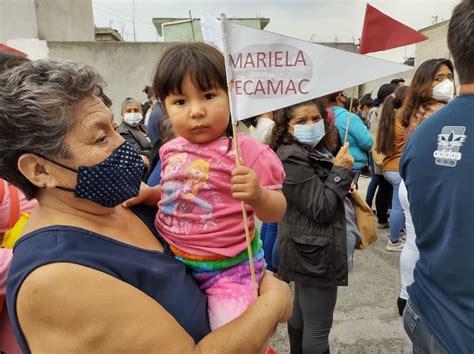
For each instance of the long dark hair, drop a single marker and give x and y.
(280, 135)
(386, 133)
(421, 88)
(203, 63)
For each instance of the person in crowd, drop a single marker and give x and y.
(399, 82)
(431, 88)
(167, 134)
(430, 74)
(355, 105)
(157, 140)
(437, 167)
(409, 255)
(390, 143)
(148, 105)
(358, 136)
(89, 275)
(199, 200)
(261, 127)
(384, 192)
(366, 104)
(133, 131)
(312, 234)
(153, 126)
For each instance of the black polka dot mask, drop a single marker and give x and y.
(112, 181)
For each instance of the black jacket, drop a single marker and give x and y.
(312, 233)
(137, 137)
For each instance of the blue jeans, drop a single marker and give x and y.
(268, 236)
(420, 335)
(397, 216)
(374, 182)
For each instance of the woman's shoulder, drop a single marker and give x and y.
(289, 151)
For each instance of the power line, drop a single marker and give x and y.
(125, 19)
(123, 14)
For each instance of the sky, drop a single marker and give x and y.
(310, 20)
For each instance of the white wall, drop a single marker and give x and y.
(65, 20)
(126, 66)
(51, 20)
(17, 20)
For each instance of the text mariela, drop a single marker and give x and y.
(274, 61)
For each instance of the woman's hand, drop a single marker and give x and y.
(148, 196)
(344, 157)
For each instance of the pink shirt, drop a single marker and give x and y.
(197, 213)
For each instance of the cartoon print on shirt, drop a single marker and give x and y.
(170, 189)
(196, 176)
(449, 143)
(175, 162)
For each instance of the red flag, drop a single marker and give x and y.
(381, 32)
(5, 48)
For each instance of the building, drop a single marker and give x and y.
(107, 34)
(434, 47)
(49, 20)
(189, 30)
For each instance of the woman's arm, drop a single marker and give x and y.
(72, 308)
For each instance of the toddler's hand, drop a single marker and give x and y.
(245, 185)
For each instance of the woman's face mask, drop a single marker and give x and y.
(310, 134)
(132, 118)
(112, 181)
(444, 91)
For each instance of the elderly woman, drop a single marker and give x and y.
(133, 131)
(88, 275)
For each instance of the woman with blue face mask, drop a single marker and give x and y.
(89, 275)
(134, 132)
(312, 233)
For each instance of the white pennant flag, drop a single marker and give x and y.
(270, 71)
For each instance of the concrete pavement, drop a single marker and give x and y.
(366, 318)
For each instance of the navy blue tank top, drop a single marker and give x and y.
(159, 275)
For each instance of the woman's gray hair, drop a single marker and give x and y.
(37, 103)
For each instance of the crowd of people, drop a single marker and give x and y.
(122, 228)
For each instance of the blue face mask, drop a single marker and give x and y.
(111, 182)
(310, 134)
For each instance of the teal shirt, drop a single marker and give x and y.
(359, 138)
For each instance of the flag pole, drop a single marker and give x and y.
(349, 114)
(237, 152)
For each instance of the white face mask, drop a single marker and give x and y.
(310, 134)
(132, 118)
(444, 91)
